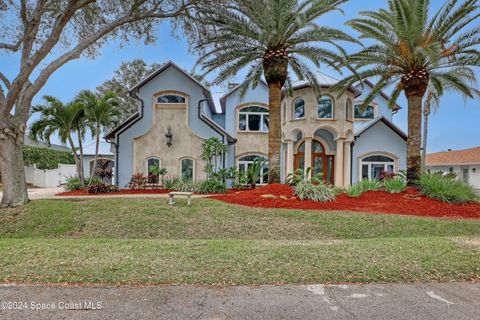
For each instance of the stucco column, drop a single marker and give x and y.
(347, 152)
(308, 154)
(339, 164)
(289, 157)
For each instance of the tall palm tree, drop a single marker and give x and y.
(100, 113)
(433, 97)
(413, 48)
(60, 118)
(271, 37)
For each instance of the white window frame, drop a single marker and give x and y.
(333, 106)
(193, 167)
(146, 164)
(247, 115)
(171, 94)
(349, 106)
(370, 163)
(263, 179)
(304, 109)
(359, 103)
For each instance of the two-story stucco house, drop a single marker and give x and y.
(330, 134)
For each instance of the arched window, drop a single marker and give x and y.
(374, 165)
(246, 162)
(321, 165)
(299, 109)
(187, 168)
(348, 110)
(325, 107)
(253, 118)
(170, 98)
(365, 113)
(153, 165)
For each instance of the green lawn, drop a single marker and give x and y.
(138, 241)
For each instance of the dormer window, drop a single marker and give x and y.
(253, 118)
(325, 107)
(365, 113)
(170, 99)
(299, 109)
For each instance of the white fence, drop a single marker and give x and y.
(49, 178)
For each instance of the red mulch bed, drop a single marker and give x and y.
(409, 202)
(121, 192)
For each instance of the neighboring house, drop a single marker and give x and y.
(331, 134)
(464, 163)
(105, 157)
(40, 144)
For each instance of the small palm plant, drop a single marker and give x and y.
(271, 38)
(412, 48)
(254, 172)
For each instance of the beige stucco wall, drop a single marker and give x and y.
(185, 143)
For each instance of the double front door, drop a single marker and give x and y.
(322, 165)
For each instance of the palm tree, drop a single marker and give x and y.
(56, 117)
(100, 113)
(412, 49)
(271, 37)
(432, 102)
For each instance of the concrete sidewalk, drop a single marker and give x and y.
(390, 301)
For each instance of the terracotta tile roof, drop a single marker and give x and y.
(467, 156)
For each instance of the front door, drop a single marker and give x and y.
(322, 164)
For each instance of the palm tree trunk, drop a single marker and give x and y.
(414, 161)
(80, 148)
(97, 144)
(75, 156)
(426, 114)
(274, 132)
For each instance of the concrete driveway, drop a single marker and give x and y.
(41, 193)
(393, 301)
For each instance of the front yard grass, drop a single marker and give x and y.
(140, 241)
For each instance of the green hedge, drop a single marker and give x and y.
(46, 158)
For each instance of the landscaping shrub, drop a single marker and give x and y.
(172, 183)
(101, 187)
(394, 185)
(354, 191)
(363, 186)
(73, 183)
(186, 185)
(320, 193)
(446, 188)
(212, 186)
(137, 181)
(46, 158)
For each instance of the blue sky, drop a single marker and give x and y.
(455, 125)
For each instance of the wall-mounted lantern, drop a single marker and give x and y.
(474, 169)
(169, 136)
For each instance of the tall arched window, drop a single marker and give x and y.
(253, 118)
(325, 107)
(170, 98)
(187, 169)
(349, 110)
(153, 164)
(299, 109)
(244, 163)
(374, 165)
(365, 113)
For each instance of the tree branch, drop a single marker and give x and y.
(12, 47)
(5, 80)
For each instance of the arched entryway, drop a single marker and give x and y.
(321, 163)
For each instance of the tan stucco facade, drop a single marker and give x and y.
(250, 142)
(185, 143)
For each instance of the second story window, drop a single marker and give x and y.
(325, 107)
(365, 113)
(253, 118)
(170, 98)
(299, 109)
(348, 110)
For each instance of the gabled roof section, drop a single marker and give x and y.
(385, 96)
(206, 90)
(324, 81)
(362, 127)
(466, 156)
(103, 150)
(223, 99)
